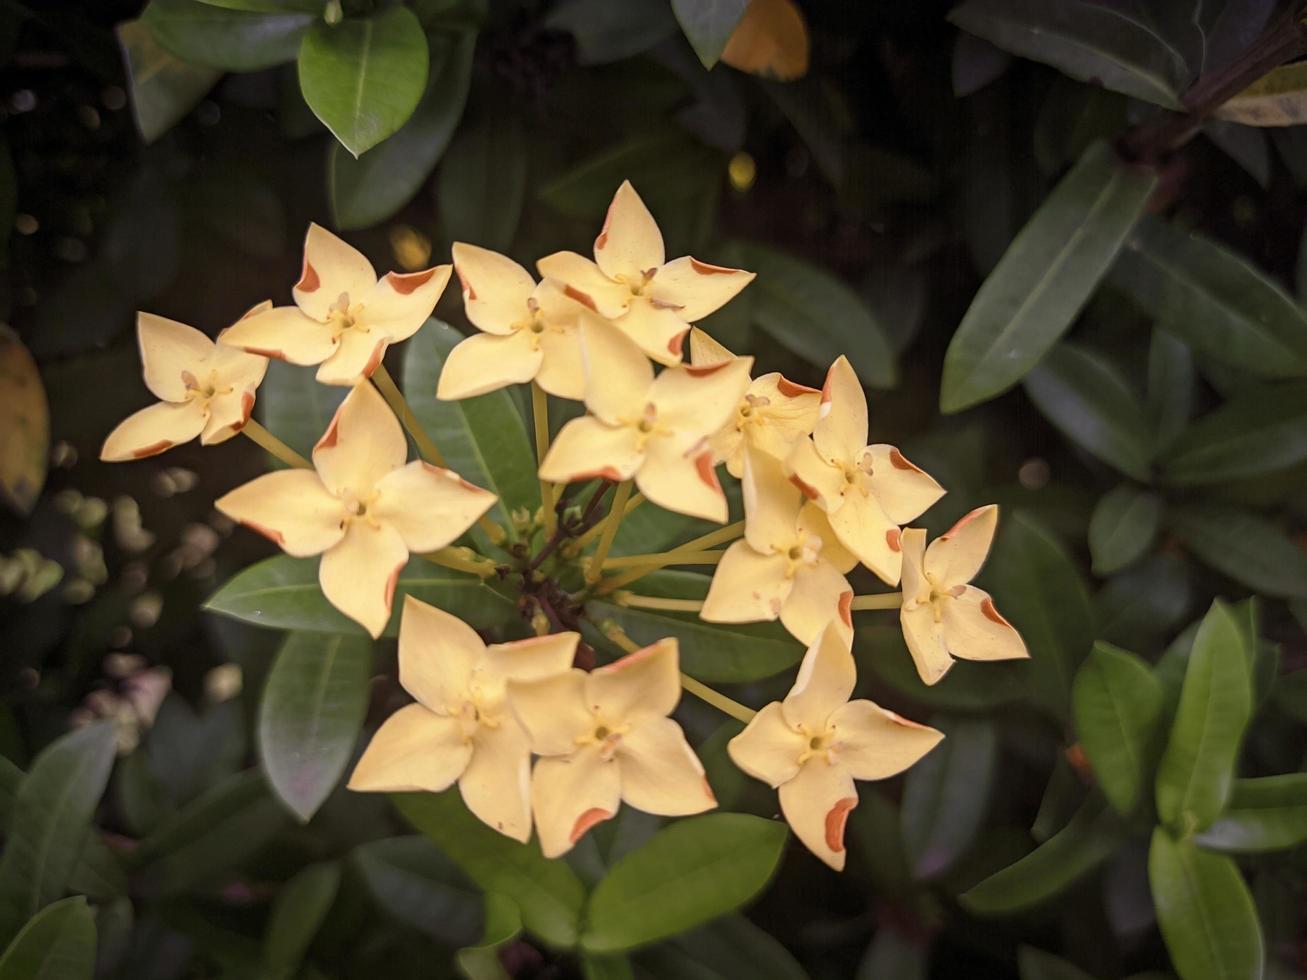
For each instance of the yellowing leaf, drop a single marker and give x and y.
(24, 425)
(1278, 98)
(770, 40)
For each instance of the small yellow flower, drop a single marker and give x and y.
(942, 614)
(654, 430)
(605, 738)
(205, 390)
(530, 331)
(632, 283)
(460, 729)
(773, 415)
(815, 743)
(362, 508)
(866, 491)
(788, 565)
(344, 318)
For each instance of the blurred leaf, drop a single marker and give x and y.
(1089, 401)
(283, 593)
(1090, 42)
(1266, 814)
(296, 406)
(1044, 277)
(163, 87)
(876, 826)
(1278, 98)
(771, 40)
(615, 967)
(58, 943)
(708, 24)
(1202, 751)
(816, 316)
(24, 425)
(726, 948)
(606, 31)
(270, 6)
(1204, 910)
(892, 954)
(1249, 148)
(49, 823)
(815, 111)
(421, 887)
(233, 40)
(712, 864)
(1123, 527)
(976, 63)
(1217, 302)
(98, 873)
(364, 77)
(310, 715)
(367, 190)
(11, 777)
(1171, 382)
(1035, 964)
(481, 183)
(968, 686)
(503, 923)
(1145, 603)
(1244, 546)
(1117, 703)
(297, 914)
(1256, 433)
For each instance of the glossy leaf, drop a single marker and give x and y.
(1254, 434)
(293, 404)
(1123, 527)
(297, 914)
(418, 885)
(1035, 964)
(24, 425)
(607, 32)
(708, 25)
(724, 949)
(1278, 98)
(1266, 814)
(1048, 272)
(58, 943)
(690, 872)
(232, 40)
(163, 87)
(1147, 602)
(1243, 545)
(481, 183)
(503, 923)
(1171, 385)
(310, 714)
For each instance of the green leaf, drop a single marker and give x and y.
(296, 406)
(367, 190)
(1035, 964)
(690, 872)
(1123, 527)
(50, 821)
(1205, 912)
(309, 718)
(968, 686)
(1217, 302)
(1048, 272)
(364, 76)
(283, 593)
(1266, 814)
(233, 40)
(712, 652)
(270, 6)
(1171, 384)
(726, 949)
(163, 87)
(548, 893)
(816, 316)
(616, 967)
(418, 885)
(607, 31)
(1088, 399)
(893, 954)
(1246, 547)
(1146, 603)
(58, 943)
(1117, 704)
(1198, 766)
(1278, 98)
(708, 25)
(297, 914)
(1256, 433)
(481, 183)
(98, 874)
(503, 924)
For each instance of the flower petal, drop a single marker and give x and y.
(401, 302)
(485, 362)
(863, 528)
(283, 333)
(413, 750)
(531, 659)
(291, 507)
(681, 483)
(170, 351)
(816, 476)
(227, 414)
(825, 681)
(956, 556)
(784, 413)
(361, 445)
(903, 490)
(583, 281)
(237, 368)
(586, 449)
(925, 639)
(332, 269)
(154, 429)
(697, 401)
(630, 243)
(815, 601)
(428, 505)
(841, 429)
(359, 354)
(704, 350)
(552, 711)
(496, 786)
(974, 629)
(771, 504)
(658, 331)
(570, 794)
(873, 743)
(562, 372)
(617, 376)
(438, 654)
(914, 584)
(697, 288)
(768, 748)
(814, 521)
(495, 288)
(747, 587)
(816, 803)
(358, 575)
(660, 772)
(644, 684)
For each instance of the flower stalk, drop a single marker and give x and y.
(271, 444)
(540, 415)
(633, 601)
(885, 600)
(461, 560)
(614, 520)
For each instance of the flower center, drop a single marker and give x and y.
(804, 551)
(820, 745)
(637, 286)
(357, 507)
(342, 316)
(204, 390)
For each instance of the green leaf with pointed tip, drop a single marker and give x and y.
(58, 943)
(297, 914)
(503, 924)
(163, 87)
(725, 949)
(708, 25)
(233, 40)
(1266, 814)
(1035, 964)
(1123, 527)
(1171, 385)
(1245, 546)
(1256, 433)
(418, 885)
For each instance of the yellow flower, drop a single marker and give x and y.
(461, 728)
(866, 491)
(654, 430)
(361, 508)
(816, 742)
(344, 318)
(204, 389)
(605, 738)
(530, 331)
(789, 564)
(773, 415)
(942, 614)
(632, 283)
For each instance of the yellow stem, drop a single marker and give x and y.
(578, 543)
(634, 601)
(728, 533)
(461, 560)
(614, 520)
(662, 558)
(540, 413)
(275, 446)
(649, 567)
(885, 600)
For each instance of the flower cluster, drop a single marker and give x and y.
(819, 501)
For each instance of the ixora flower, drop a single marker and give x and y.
(866, 491)
(604, 737)
(344, 318)
(530, 331)
(816, 742)
(461, 730)
(361, 508)
(654, 430)
(789, 563)
(944, 616)
(773, 415)
(205, 390)
(631, 282)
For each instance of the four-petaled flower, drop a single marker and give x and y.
(654, 430)
(866, 491)
(344, 318)
(631, 282)
(604, 738)
(816, 742)
(460, 728)
(361, 507)
(942, 613)
(530, 331)
(205, 390)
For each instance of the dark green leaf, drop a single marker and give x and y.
(606, 31)
(976, 63)
(99, 874)
(297, 914)
(481, 183)
(1035, 964)
(725, 949)
(1146, 603)
(270, 6)
(418, 885)
(1267, 814)
(892, 954)
(968, 686)
(1256, 433)
(58, 943)
(615, 967)
(1246, 547)
(1123, 527)
(297, 407)
(503, 923)
(1171, 383)
(163, 87)
(233, 40)
(708, 24)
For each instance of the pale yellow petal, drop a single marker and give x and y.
(697, 401)
(903, 490)
(617, 376)
(402, 301)
(728, 446)
(552, 711)
(496, 786)
(283, 333)
(495, 288)
(782, 412)
(531, 659)
(975, 630)
(170, 353)
(357, 356)
(413, 751)
(824, 683)
(361, 445)
(630, 243)
(914, 584)
(924, 635)
(644, 684)
(583, 281)
(841, 429)
(428, 505)
(820, 595)
(816, 804)
(485, 362)
(438, 654)
(228, 413)
(289, 507)
(358, 575)
(704, 350)
(768, 748)
(863, 528)
(686, 484)
(747, 587)
(813, 521)
(587, 449)
(235, 368)
(570, 794)
(771, 505)
(696, 288)
(562, 370)
(819, 479)
(957, 555)
(660, 772)
(332, 271)
(872, 743)
(154, 429)
(656, 330)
